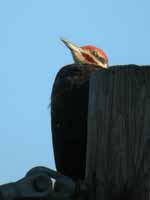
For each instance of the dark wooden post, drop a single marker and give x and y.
(118, 148)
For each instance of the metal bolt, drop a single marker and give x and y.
(42, 183)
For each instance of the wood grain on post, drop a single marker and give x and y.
(118, 146)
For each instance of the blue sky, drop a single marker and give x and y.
(31, 55)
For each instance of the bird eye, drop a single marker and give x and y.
(95, 53)
(100, 58)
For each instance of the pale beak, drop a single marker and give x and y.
(71, 46)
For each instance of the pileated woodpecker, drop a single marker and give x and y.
(69, 109)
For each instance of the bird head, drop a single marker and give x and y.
(87, 54)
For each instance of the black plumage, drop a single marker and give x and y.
(69, 109)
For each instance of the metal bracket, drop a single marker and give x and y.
(37, 184)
